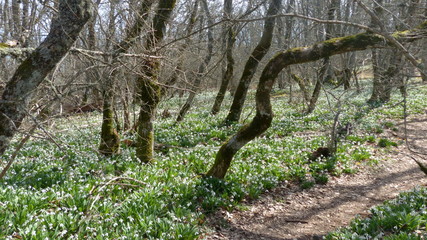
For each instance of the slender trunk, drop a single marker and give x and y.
(264, 115)
(228, 74)
(179, 67)
(301, 84)
(16, 15)
(324, 75)
(19, 91)
(252, 64)
(202, 68)
(316, 92)
(126, 113)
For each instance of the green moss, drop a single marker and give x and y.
(110, 140)
(144, 147)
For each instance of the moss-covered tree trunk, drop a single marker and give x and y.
(148, 89)
(228, 74)
(18, 93)
(252, 64)
(149, 95)
(202, 67)
(264, 114)
(110, 139)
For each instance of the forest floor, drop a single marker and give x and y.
(288, 212)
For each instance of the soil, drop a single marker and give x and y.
(288, 212)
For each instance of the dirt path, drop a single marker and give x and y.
(287, 212)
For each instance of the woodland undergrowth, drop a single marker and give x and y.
(60, 187)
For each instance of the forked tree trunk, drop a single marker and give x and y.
(319, 83)
(387, 63)
(19, 91)
(110, 139)
(264, 115)
(252, 64)
(148, 89)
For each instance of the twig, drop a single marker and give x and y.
(112, 182)
(17, 149)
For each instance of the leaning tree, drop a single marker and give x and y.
(264, 115)
(19, 91)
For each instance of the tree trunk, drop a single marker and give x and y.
(302, 86)
(228, 74)
(264, 114)
(202, 68)
(179, 67)
(324, 75)
(65, 28)
(110, 139)
(149, 93)
(346, 76)
(386, 63)
(252, 64)
(148, 90)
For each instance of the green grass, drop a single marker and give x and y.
(56, 191)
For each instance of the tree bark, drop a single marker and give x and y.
(179, 66)
(386, 63)
(202, 67)
(324, 74)
(302, 85)
(264, 115)
(65, 28)
(228, 74)
(252, 64)
(110, 139)
(148, 90)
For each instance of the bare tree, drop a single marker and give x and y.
(202, 67)
(324, 74)
(229, 45)
(252, 64)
